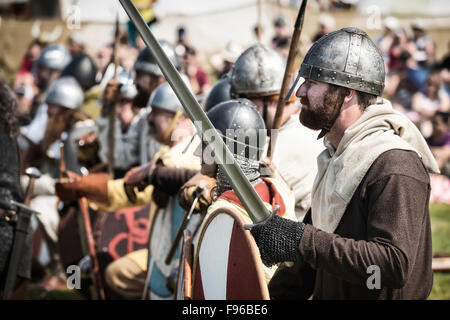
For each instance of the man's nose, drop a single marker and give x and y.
(301, 91)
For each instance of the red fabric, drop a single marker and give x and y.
(197, 290)
(201, 77)
(266, 191)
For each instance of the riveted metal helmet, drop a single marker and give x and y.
(347, 58)
(54, 57)
(241, 127)
(145, 61)
(257, 72)
(164, 97)
(65, 92)
(83, 69)
(219, 92)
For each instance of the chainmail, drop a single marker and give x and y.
(278, 239)
(250, 168)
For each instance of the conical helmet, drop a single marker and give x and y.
(347, 58)
(258, 72)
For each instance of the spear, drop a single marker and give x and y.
(287, 76)
(111, 105)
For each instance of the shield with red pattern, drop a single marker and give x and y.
(227, 263)
(122, 232)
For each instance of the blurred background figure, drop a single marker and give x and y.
(76, 44)
(327, 24)
(390, 35)
(429, 101)
(445, 70)
(258, 32)
(223, 61)
(182, 42)
(24, 76)
(422, 40)
(147, 13)
(198, 78)
(439, 141)
(282, 38)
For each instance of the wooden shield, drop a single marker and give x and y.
(121, 232)
(227, 263)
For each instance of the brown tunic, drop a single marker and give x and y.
(386, 223)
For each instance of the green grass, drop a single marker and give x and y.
(440, 228)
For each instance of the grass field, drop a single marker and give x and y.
(440, 228)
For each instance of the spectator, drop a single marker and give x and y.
(327, 24)
(428, 102)
(387, 40)
(398, 46)
(439, 141)
(421, 39)
(76, 44)
(282, 39)
(182, 43)
(24, 76)
(400, 89)
(198, 78)
(445, 71)
(223, 62)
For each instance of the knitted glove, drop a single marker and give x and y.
(277, 239)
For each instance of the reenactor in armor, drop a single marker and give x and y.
(84, 70)
(369, 209)
(243, 130)
(66, 123)
(52, 60)
(157, 183)
(257, 75)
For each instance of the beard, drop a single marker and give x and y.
(141, 99)
(59, 123)
(316, 116)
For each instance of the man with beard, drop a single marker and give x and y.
(367, 235)
(66, 123)
(52, 60)
(256, 76)
(47, 68)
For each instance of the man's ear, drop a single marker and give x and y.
(351, 95)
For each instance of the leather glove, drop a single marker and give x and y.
(94, 187)
(137, 177)
(277, 239)
(187, 192)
